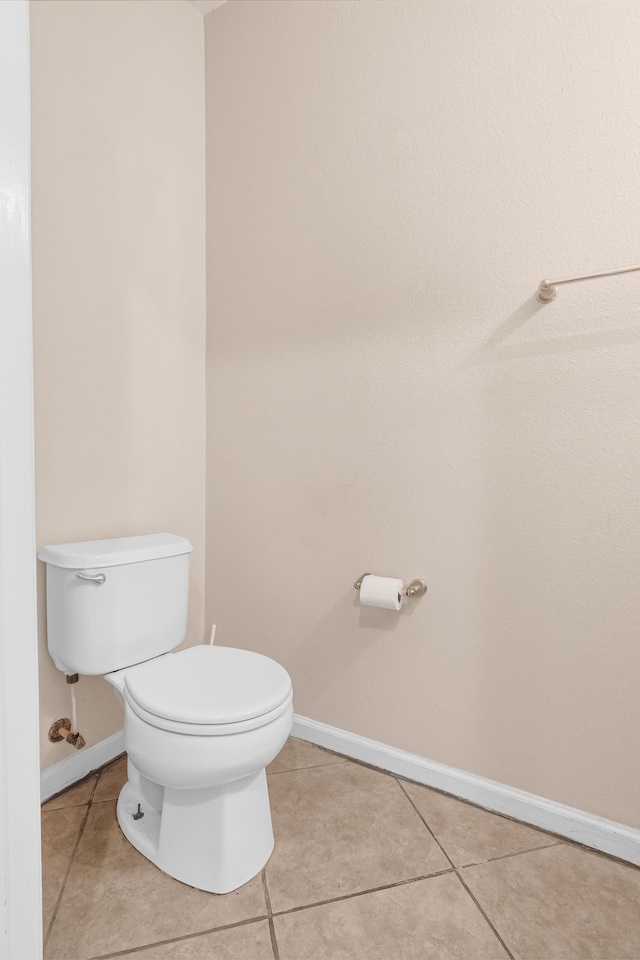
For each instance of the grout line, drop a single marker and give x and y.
(311, 766)
(506, 856)
(279, 913)
(361, 893)
(274, 942)
(267, 895)
(272, 929)
(432, 834)
(506, 948)
(370, 766)
(316, 746)
(477, 863)
(185, 936)
(54, 915)
(457, 873)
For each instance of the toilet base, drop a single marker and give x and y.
(215, 839)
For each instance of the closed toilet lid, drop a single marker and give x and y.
(209, 685)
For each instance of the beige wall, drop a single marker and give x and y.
(387, 184)
(118, 274)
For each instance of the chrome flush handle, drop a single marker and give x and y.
(97, 578)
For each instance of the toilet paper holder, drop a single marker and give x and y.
(417, 588)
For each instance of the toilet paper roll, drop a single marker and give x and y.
(385, 592)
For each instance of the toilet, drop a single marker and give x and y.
(201, 724)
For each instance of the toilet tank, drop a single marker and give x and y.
(113, 603)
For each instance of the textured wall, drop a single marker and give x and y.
(118, 286)
(387, 184)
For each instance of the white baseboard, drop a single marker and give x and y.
(607, 836)
(79, 764)
(597, 832)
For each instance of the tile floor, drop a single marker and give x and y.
(366, 866)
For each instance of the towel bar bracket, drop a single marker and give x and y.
(548, 289)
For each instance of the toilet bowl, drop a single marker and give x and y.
(200, 728)
(201, 724)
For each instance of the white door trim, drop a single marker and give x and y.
(597, 832)
(20, 870)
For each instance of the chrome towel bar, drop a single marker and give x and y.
(548, 289)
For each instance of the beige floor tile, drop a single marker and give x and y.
(73, 797)
(340, 829)
(115, 899)
(469, 834)
(562, 902)
(433, 918)
(297, 754)
(112, 780)
(60, 831)
(251, 941)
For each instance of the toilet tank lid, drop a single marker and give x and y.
(115, 552)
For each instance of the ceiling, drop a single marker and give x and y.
(206, 6)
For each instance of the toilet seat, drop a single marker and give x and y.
(207, 729)
(208, 691)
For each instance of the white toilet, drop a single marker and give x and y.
(200, 725)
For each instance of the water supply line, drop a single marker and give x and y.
(65, 729)
(74, 709)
